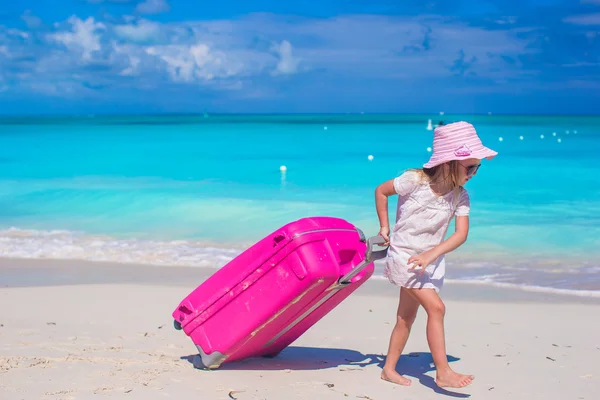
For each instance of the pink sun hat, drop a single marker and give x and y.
(457, 141)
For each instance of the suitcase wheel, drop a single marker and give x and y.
(177, 325)
(197, 362)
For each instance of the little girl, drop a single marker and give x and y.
(428, 198)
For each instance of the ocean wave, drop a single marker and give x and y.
(529, 288)
(63, 244)
(60, 244)
(488, 281)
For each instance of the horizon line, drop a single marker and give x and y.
(209, 114)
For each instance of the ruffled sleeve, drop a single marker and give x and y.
(406, 183)
(464, 204)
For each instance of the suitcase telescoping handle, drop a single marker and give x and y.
(374, 252)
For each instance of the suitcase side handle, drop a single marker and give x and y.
(374, 252)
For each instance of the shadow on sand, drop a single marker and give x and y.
(415, 365)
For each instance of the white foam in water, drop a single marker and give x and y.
(60, 244)
(18, 243)
(489, 281)
(529, 288)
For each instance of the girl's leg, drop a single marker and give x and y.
(407, 312)
(436, 310)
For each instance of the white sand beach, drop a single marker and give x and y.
(81, 330)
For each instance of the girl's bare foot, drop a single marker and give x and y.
(394, 377)
(452, 379)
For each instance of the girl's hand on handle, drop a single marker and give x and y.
(421, 261)
(384, 232)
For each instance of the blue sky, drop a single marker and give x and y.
(154, 56)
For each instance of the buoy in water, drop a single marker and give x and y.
(500, 138)
(370, 157)
(541, 136)
(521, 138)
(429, 149)
(283, 168)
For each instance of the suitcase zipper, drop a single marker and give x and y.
(360, 233)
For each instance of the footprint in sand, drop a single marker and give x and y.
(61, 392)
(146, 376)
(103, 390)
(44, 363)
(9, 363)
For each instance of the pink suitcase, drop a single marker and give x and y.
(269, 295)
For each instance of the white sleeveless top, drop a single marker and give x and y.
(422, 220)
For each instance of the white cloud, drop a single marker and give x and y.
(3, 52)
(375, 46)
(84, 36)
(132, 70)
(153, 7)
(506, 20)
(17, 33)
(132, 67)
(198, 62)
(584, 19)
(288, 64)
(31, 20)
(143, 31)
(245, 53)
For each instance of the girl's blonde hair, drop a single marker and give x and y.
(442, 175)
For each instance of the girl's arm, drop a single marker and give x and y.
(455, 240)
(382, 192)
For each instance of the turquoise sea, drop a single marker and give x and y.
(196, 189)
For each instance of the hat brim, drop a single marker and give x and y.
(481, 153)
